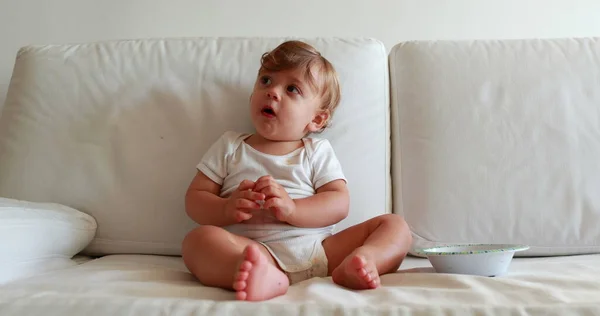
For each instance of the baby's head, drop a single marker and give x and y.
(296, 92)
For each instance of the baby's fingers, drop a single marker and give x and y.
(252, 196)
(242, 216)
(246, 204)
(246, 185)
(273, 203)
(265, 182)
(271, 191)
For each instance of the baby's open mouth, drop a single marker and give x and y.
(268, 111)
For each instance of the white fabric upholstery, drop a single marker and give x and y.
(115, 129)
(499, 142)
(159, 285)
(40, 237)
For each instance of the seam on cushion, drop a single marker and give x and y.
(395, 109)
(109, 246)
(59, 219)
(53, 226)
(400, 147)
(38, 259)
(535, 247)
(104, 240)
(389, 186)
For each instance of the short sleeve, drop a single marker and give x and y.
(214, 162)
(326, 166)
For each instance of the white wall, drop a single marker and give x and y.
(25, 22)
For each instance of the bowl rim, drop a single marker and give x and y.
(496, 248)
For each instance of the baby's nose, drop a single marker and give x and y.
(272, 95)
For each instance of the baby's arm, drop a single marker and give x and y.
(204, 205)
(328, 206)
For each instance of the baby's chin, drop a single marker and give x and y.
(276, 136)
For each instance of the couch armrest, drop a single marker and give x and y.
(40, 232)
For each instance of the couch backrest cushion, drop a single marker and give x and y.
(498, 142)
(115, 129)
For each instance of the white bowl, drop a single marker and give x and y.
(474, 259)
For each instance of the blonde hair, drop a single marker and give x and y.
(300, 55)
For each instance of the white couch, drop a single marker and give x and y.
(471, 141)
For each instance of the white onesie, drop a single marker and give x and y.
(297, 250)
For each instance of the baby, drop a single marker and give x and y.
(267, 202)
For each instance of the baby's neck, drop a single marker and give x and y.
(270, 147)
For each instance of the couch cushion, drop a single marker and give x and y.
(499, 142)
(115, 129)
(158, 285)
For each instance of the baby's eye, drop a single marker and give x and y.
(293, 89)
(265, 80)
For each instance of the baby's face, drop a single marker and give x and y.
(284, 106)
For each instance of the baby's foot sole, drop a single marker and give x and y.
(257, 279)
(357, 273)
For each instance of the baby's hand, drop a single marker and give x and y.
(242, 202)
(276, 198)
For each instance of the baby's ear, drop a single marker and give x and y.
(319, 121)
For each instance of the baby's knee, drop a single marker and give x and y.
(401, 227)
(393, 219)
(200, 234)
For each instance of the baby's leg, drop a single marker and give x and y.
(221, 259)
(359, 254)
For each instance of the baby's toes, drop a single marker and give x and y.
(362, 272)
(239, 285)
(358, 262)
(241, 295)
(245, 266)
(242, 276)
(374, 281)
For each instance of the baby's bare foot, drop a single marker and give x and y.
(257, 279)
(356, 272)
